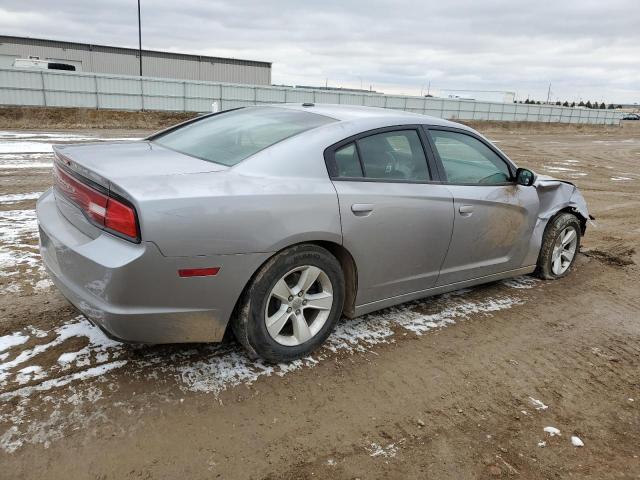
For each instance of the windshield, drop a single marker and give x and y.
(230, 137)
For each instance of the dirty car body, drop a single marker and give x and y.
(410, 205)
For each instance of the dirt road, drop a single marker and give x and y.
(457, 386)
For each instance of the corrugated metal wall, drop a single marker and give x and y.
(125, 61)
(71, 89)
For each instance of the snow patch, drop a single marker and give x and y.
(23, 163)
(537, 404)
(12, 340)
(97, 344)
(224, 368)
(25, 147)
(552, 431)
(43, 284)
(377, 450)
(555, 168)
(64, 380)
(521, 283)
(58, 137)
(19, 255)
(30, 374)
(19, 197)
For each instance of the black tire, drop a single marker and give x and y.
(248, 322)
(555, 227)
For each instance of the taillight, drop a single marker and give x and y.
(121, 218)
(100, 208)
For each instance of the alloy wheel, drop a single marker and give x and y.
(298, 305)
(564, 250)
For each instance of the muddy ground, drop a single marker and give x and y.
(457, 386)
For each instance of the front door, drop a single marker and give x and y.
(494, 217)
(395, 222)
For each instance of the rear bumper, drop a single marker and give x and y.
(132, 291)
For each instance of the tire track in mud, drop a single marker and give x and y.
(76, 351)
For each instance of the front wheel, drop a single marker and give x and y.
(560, 246)
(291, 305)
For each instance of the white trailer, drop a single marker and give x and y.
(36, 62)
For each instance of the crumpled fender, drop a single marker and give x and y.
(554, 195)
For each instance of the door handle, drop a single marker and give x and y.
(466, 210)
(361, 209)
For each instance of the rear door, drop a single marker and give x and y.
(494, 216)
(396, 221)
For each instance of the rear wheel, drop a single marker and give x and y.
(291, 305)
(560, 246)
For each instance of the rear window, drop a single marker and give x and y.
(230, 137)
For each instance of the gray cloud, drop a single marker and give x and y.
(585, 48)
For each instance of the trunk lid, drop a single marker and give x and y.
(115, 160)
(126, 170)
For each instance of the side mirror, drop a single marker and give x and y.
(525, 177)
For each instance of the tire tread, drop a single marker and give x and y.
(246, 312)
(553, 229)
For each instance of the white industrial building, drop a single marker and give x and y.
(25, 52)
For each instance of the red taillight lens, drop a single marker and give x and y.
(101, 209)
(121, 218)
(91, 201)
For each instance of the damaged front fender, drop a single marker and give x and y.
(555, 196)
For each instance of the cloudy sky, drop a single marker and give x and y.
(587, 49)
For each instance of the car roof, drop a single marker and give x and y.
(347, 113)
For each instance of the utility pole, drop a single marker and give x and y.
(139, 39)
(549, 94)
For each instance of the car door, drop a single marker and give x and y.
(396, 221)
(494, 216)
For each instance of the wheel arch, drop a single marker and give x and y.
(573, 211)
(350, 271)
(347, 263)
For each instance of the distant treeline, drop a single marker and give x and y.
(588, 104)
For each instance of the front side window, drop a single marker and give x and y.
(230, 137)
(395, 155)
(468, 160)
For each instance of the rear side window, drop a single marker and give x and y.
(230, 137)
(348, 161)
(395, 155)
(467, 160)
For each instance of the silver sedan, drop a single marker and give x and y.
(277, 220)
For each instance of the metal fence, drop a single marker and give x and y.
(46, 88)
